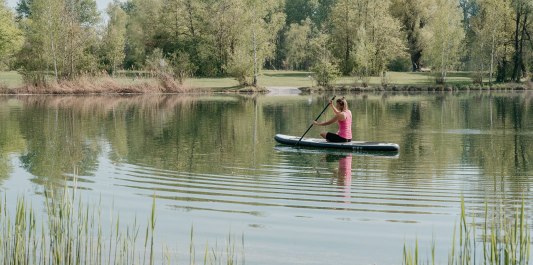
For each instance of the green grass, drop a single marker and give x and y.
(275, 78)
(303, 79)
(10, 79)
(505, 241)
(409, 78)
(71, 232)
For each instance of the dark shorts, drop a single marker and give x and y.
(335, 138)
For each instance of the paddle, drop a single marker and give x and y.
(333, 98)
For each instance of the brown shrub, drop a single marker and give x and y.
(100, 85)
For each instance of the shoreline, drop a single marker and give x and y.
(422, 88)
(110, 87)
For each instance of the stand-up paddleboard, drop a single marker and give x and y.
(322, 143)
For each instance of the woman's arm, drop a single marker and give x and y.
(332, 120)
(335, 110)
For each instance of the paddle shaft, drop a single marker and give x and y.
(333, 98)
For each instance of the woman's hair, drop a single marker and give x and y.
(342, 102)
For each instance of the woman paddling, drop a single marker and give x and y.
(343, 116)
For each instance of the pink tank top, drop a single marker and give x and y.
(345, 127)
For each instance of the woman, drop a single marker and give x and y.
(343, 116)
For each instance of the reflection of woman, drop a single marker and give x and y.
(344, 174)
(343, 116)
(345, 171)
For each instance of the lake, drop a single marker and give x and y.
(213, 166)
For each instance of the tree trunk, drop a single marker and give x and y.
(516, 55)
(415, 60)
(492, 48)
(346, 69)
(190, 13)
(522, 71)
(53, 47)
(254, 83)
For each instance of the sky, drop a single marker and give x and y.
(102, 4)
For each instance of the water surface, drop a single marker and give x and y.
(212, 163)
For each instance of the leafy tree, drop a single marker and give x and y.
(300, 10)
(61, 37)
(182, 66)
(365, 36)
(183, 29)
(413, 16)
(23, 9)
(363, 53)
(325, 73)
(156, 63)
(297, 45)
(115, 38)
(491, 31)
(11, 38)
(141, 30)
(444, 35)
(345, 21)
(253, 43)
(384, 40)
(522, 10)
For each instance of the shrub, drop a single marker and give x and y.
(325, 73)
(182, 66)
(241, 67)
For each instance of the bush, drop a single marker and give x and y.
(34, 78)
(241, 67)
(400, 64)
(325, 73)
(156, 63)
(477, 78)
(182, 66)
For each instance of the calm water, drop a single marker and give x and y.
(212, 164)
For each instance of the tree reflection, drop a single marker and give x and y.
(56, 138)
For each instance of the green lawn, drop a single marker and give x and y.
(10, 79)
(302, 79)
(279, 78)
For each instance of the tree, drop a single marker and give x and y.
(141, 29)
(444, 35)
(414, 16)
(258, 25)
(60, 37)
(345, 20)
(23, 9)
(491, 31)
(365, 37)
(300, 10)
(297, 45)
(183, 29)
(522, 10)
(115, 36)
(11, 38)
(383, 37)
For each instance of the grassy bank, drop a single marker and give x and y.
(133, 82)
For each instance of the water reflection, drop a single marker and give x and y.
(211, 159)
(342, 175)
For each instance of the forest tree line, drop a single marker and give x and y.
(238, 38)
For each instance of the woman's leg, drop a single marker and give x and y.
(335, 138)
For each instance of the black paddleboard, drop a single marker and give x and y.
(322, 143)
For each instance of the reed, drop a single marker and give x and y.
(506, 240)
(72, 233)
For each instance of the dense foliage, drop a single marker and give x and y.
(69, 38)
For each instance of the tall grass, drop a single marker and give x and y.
(72, 233)
(505, 241)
